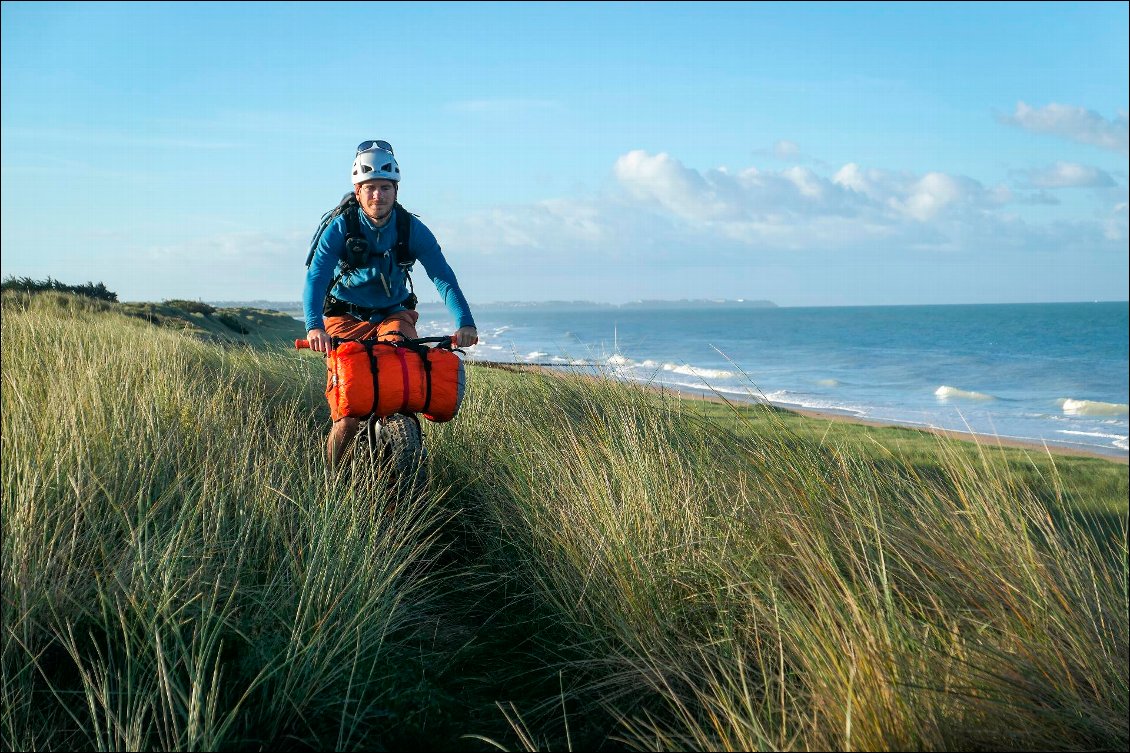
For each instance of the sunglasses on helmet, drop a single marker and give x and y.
(366, 146)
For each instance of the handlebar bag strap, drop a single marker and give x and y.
(350, 385)
(449, 381)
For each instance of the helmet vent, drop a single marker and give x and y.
(375, 164)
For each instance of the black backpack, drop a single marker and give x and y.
(357, 252)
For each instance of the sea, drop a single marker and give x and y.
(1053, 373)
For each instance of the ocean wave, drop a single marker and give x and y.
(687, 370)
(1098, 434)
(1092, 408)
(828, 382)
(698, 388)
(1117, 440)
(946, 392)
(785, 398)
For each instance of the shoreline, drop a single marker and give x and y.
(965, 436)
(987, 440)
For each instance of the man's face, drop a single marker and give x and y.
(376, 198)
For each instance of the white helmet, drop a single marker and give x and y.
(375, 164)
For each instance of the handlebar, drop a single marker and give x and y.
(447, 342)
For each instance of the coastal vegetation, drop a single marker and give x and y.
(597, 565)
(28, 285)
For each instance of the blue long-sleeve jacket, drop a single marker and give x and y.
(363, 287)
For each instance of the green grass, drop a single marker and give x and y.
(597, 566)
(240, 325)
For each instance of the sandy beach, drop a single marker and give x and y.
(982, 439)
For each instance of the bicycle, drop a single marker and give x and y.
(395, 442)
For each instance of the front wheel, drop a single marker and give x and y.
(399, 446)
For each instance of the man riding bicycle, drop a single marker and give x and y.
(358, 284)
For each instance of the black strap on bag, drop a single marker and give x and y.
(423, 352)
(375, 369)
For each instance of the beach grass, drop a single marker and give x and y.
(596, 565)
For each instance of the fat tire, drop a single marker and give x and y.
(400, 448)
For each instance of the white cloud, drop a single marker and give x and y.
(933, 193)
(662, 214)
(851, 176)
(806, 182)
(1069, 175)
(664, 181)
(1074, 123)
(785, 149)
(1116, 226)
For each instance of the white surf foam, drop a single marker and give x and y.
(946, 392)
(1117, 440)
(1092, 408)
(687, 370)
(786, 399)
(698, 388)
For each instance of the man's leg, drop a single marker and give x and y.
(344, 429)
(342, 433)
(401, 323)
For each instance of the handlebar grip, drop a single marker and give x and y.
(300, 344)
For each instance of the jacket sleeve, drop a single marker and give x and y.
(429, 254)
(321, 273)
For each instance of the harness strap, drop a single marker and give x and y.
(335, 306)
(357, 252)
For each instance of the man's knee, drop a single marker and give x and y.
(345, 427)
(341, 435)
(402, 323)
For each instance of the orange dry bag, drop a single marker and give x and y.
(380, 379)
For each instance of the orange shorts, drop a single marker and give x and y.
(401, 323)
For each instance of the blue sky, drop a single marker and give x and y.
(806, 153)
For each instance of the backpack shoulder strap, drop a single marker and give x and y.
(404, 256)
(352, 228)
(352, 221)
(403, 252)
